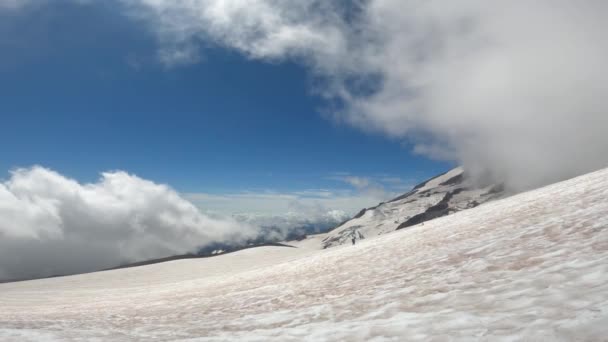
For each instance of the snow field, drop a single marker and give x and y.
(530, 267)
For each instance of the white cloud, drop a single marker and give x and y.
(172, 56)
(358, 182)
(50, 224)
(261, 29)
(512, 89)
(381, 188)
(368, 187)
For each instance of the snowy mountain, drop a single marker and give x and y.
(442, 195)
(532, 267)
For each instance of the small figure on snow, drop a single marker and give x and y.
(356, 234)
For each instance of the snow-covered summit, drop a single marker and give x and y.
(445, 194)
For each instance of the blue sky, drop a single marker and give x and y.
(83, 91)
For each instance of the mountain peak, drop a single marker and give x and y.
(441, 195)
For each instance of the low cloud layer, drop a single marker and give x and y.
(294, 224)
(280, 215)
(513, 90)
(50, 224)
(53, 225)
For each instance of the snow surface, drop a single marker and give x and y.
(530, 267)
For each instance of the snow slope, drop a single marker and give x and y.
(442, 195)
(529, 267)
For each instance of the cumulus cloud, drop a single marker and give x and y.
(50, 224)
(514, 90)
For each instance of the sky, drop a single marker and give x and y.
(142, 128)
(84, 92)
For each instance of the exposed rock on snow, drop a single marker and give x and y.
(442, 195)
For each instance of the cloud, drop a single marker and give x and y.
(301, 220)
(14, 4)
(366, 185)
(513, 90)
(378, 187)
(171, 56)
(50, 224)
(21, 4)
(262, 29)
(280, 215)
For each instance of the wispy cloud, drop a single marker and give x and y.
(14, 4)
(280, 203)
(381, 187)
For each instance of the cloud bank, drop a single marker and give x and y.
(514, 90)
(294, 224)
(309, 211)
(50, 224)
(53, 225)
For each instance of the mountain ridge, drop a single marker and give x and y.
(441, 195)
